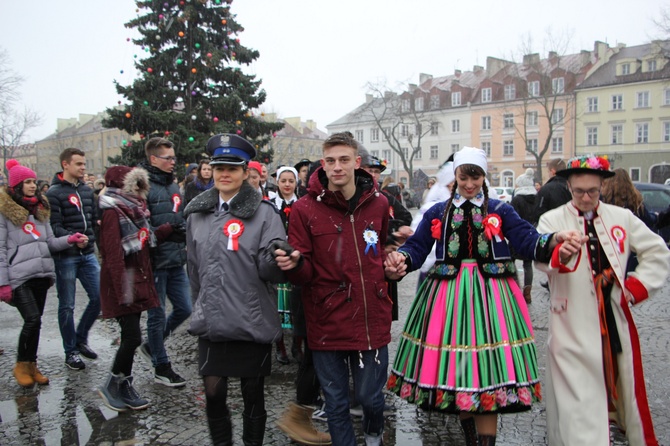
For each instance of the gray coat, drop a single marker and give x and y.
(233, 292)
(23, 257)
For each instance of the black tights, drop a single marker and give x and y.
(307, 383)
(29, 299)
(216, 395)
(131, 338)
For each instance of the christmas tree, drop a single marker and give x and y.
(191, 84)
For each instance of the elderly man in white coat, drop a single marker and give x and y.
(594, 372)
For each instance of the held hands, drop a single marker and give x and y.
(79, 239)
(286, 261)
(6, 293)
(572, 243)
(395, 266)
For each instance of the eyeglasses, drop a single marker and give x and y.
(593, 193)
(170, 159)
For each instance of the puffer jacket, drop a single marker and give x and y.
(233, 292)
(345, 295)
(73, 209)
(22, 256)
(162, 202)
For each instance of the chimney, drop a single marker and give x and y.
(423, 77)
(310, 124)
(294, 122)
(368, 98)
(531, 59)
(411, 88)
(493, 65)
(477, 68)
(388, 94)
(457, 73)
(584, 57)
(553, 54)
(270, 117)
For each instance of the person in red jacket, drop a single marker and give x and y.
(338, 232)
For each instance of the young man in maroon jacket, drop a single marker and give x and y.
(338, 232)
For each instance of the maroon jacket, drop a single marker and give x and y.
(344, 289)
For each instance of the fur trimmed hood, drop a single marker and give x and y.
(132, 181)
(16, 213)
(243, 205)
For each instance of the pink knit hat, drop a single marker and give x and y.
(18, 173)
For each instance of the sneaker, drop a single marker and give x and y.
(129, 395)
(282, 358)
(145, 352)
(86, 352)
(166, 376)
(110, 393)
(320, 414)
(74, 361)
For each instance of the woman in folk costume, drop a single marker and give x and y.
(467, 346)
(26, 268)
(126, 278)
(594, 366)
(287, 295)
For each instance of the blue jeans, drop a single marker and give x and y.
(174, 284)
(68, 269)
(332, 368)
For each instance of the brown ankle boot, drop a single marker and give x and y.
(526, 293)
(37, 375)
(23, 375)
(297, 424)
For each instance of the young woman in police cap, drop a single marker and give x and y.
(231, 232)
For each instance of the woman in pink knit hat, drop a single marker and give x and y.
(26, 268)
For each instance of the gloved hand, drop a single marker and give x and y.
(6, 293)
(280, 244)
(77, 238)
(178, 233)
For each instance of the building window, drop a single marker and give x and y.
(651, 65)
(435, 102)
(557, 144)
(418, 129)
(486, 123)
(508, 147)
(359, 135)
(434, 128)
(405, 152)
(508, 178)
(592, 104)
(635, 174)
(666, 97)
(558, 85)
(434, 152)
(642, 132)
(418, 153)
(531, 146)
(532, 119)
(454, 148)
(508, 121)
(557, 116)
(404, 105)
(374, 135)
(666, 131)
(455, 98)
(625, 68)
(617, 102)
(486, 147)
(418, 104)
(374, 153)
(534, 88)
(510, 92)
(592, 136)
(642, 99)
(404, 130)
(386, 155)
(455, 125)
(617, 134)
(486, 95)
(385, 133)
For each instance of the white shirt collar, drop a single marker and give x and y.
(478, 200)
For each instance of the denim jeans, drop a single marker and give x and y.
(29, 299)
(369, 369)
(68, 269)
(174, 283)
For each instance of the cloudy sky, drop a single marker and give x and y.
(316, 56)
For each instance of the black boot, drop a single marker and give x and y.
(253, 429)
(469, 431)
(487, 440)
(221, 430)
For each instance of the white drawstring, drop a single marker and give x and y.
(360, 359)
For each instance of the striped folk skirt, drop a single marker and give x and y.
(467, 345)
(284, 296)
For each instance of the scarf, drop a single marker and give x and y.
(31, 204)
(203, 187)
(133, 219)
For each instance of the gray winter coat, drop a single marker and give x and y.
(22, 257)
(233, 292)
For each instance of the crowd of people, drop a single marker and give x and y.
(321, 250)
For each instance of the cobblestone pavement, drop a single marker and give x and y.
(69, 412)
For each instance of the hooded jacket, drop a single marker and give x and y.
(126, 281)
(232, 289)
(553, 194)
(166, 206)
(345, 296)
(22, 256)
(73, 209)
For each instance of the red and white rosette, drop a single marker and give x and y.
(29, 228)
(233, 229)
(176, 202)
(493, 227)
(619, 234)
(75, 201)
(143, 236)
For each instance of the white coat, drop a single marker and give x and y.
(576, 396)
